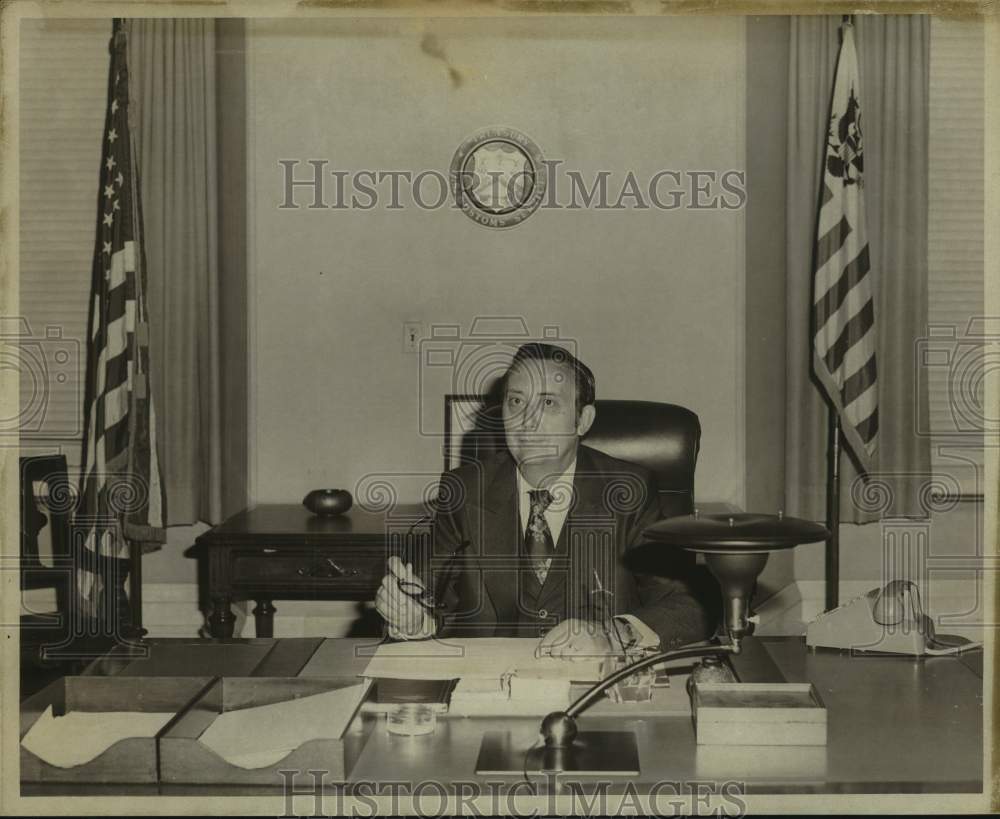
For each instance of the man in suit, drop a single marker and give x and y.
(535, 541)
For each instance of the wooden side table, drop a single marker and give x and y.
(283, 552)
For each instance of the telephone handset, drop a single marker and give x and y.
(887, 620)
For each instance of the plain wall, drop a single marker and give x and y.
(766, 140)
(652, 299)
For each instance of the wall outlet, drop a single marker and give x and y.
(412, 332)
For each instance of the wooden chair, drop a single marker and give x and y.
(52, 641)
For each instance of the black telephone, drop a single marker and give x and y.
(887, 620)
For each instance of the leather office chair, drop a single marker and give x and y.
(664, 438)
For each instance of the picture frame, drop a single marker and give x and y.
(472, 428)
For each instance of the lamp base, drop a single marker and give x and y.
(754, 663)
(593, 753)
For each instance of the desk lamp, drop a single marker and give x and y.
(736, 549)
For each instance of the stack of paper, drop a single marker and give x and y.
(265, 734)
(482, 658)
(509, 696)
(476, 698)
(80, 736)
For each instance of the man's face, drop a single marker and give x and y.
(539, 412)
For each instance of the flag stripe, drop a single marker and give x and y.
(831, 241)
(855, 271)
(830, 332)
(117, 299)
(116, 371)
(850, 335)
(116, 404)
(860, 381)
(862, 405)
(868, 428)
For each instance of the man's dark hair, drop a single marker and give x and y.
(586, 388)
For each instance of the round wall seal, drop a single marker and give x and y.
(497, 177)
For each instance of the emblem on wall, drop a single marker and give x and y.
(498, 177)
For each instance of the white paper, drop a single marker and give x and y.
(512, 696)
(485, 658)
(80, 736)
(262, 735)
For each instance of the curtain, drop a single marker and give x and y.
(894, 62)
(172, 64)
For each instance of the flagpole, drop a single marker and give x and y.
(833, 508)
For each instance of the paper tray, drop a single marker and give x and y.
(130, 760)
(184, 759)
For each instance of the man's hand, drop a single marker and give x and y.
(407, 618)
(575, 640)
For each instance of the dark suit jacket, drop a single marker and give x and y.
(614, 501)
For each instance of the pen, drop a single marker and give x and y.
(608, 621)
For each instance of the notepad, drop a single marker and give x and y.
(80, 736)
(484, 658)
(265, 734)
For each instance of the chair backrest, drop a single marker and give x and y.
(664, 438)
(51, 470)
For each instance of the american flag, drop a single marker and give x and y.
(121, 491)
(843, 310)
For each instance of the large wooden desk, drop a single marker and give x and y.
(282, 551)
(896, 725)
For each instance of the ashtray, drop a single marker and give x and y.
(328, 502)
(410, 719)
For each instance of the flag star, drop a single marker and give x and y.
(109, 191)
(109, 218)
(107, 248)
(114, 106)
(110, 163)
(119, 179)
(112, 136)
(114, 205)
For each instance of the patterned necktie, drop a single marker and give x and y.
(537, 536)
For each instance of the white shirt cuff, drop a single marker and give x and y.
(646, 637)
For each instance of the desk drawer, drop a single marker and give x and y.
(280, 569)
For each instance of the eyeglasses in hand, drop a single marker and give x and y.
(424, 596)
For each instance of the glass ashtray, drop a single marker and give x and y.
(410, 719)
(636, 688)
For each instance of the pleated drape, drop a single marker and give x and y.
(172, 64)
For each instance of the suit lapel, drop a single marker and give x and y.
(500, 539)
(575, 577)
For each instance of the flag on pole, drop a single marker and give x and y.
(121, 491)
(843, 308)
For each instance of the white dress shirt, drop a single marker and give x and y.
(562, 498)
(555, 514)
